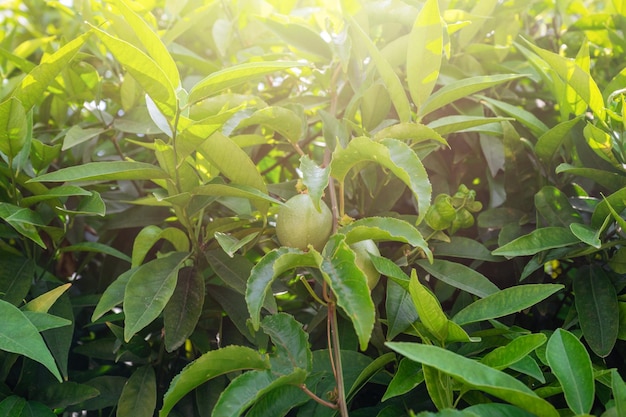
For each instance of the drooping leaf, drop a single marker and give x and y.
(505, 302)
(208, 366)
(149, 235)
(24, 221)
(13, 127)
(104, 171)
(148, 290)
(598, 309)
(387, 74)
(408, 375)
(428, 309)
(463, 88)
(291, 341)
(571, 365)
(145, 71)
(385, 228)
(349, 284)
(391, 154)
(234, 76)
(32, 87)
(183, 310)
(400, 309)
(423, 59)
(139, 396)
(538, 240)
(19, 335)
(476, 375)
(460, 276)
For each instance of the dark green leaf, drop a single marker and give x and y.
(400, 309)
(139, 396)
(291, 341)
(16, 275)
(460, 276)
(408, 375)
(537, 241)
(183, 310)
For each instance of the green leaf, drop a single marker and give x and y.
(619, 392)
(408, 375)
(538, 240)
(414, 132)
(459, 123)
(234, 76)
(44, 302)
(576, 78)
(497, 410)
(385, 228)
(476, 376)
(549, 142)
(463, 88)
(231, 244)
(208, 366)
(145, 71)
(148, 290)
(315, 179)
(54, 193)
(526, 118)
(139, 396)
(16, 275)
(244, 390)
(460, 276)
(598, 309)
(97, 248)
(387, 74)
(113, 295)
(369, 372)
(19, 335)
(571, 365)
(104, 171)
(615, 201)
(505, 302)
(183, 310)
(586, 234)
(300, 36)
(23, 220)
(150, 235)
(151, 42)
(428, 309)
(463, 247)
(392, 154)
(77, 135)
(264, 273)
(400, 309)
(13, 128)
(45, 321)
(555, 207)
(291, 341)
(279, 119)
(610, 180)
(517, 349)
(349, 284)
(439, 387)
(423, 59)
(33, 86)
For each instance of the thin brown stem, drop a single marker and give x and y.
(317, 399)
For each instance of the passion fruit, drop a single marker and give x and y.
(362, 250)
(299, 224)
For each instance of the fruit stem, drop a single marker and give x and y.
(310, 290)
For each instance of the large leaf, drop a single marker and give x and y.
(264, 273)
(148, 290)
(104, 171)
(139, 396)
(392, 154)
(151, 42)
(538, 240)
(208, 366)
(408, 375)
(428, 308)
(31, 90)
(517, 349)
(13, 127)
(234, 76)
(505, 302)
(423, 59)
(460, 276)
(400, 309)
(463, 88)
(571, 365)
(113, 295)
(145, 71)
(477, 376)
(19, 335)
(183, 310)
(597, 307)
(291, 341)
(349, 284)
(385, 228)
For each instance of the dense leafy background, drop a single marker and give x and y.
(147, 146)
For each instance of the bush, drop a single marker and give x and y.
(148, 146)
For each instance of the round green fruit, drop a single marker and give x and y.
(363, 261)
(299, 224)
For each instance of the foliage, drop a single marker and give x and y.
(147, 148)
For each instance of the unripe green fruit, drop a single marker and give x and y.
(299, 224)
(363, 261)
